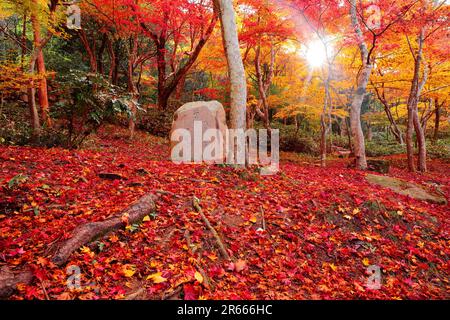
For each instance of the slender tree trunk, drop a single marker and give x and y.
(326, 115)
(437, 120)
(112, 59)
(40, 62)
(355, 110)
(264, 86)
(349, 135)
(235, 65)
(323, 140)
(100, 52)
(359, 147)
(413, 112)
(421, 142)
(369, 132)
(163, 97)
(23, 41)
(89, 50)
(132, 89)
(34, 115)
(410, 141)
(387, 109)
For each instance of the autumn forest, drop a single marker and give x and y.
(224, 150)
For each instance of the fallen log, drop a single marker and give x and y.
(9, 280)
(81, 236)
(88, 232)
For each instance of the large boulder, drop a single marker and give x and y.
(196, 118)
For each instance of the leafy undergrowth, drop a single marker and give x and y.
(323, 227)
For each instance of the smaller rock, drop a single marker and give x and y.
(380, 166)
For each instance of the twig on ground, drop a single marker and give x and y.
(263, 219)
(223, 251)
(44, 290)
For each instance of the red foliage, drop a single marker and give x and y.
(323, 227)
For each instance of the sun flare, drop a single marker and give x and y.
(316, 53)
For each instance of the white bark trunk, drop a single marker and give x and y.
(235, 64)
(355, 111)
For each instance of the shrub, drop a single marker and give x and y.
(92, 102)
(296, 143)
(379, 149)
(439, 150)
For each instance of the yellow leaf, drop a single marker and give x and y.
(146, 218)
(356, 211)
(129, 270)
(253, 219)
(198, 276)
(157, 278)
(85, 249)
(88, 251)
(366, 262)
(348, 217)
(333, 267)
(212, 256)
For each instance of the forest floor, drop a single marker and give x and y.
(305, 233)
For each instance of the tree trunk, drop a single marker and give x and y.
(112, 60)
(40, 62)
(132, 89)
(421, 142)
(348, 130)
(34, 114)
(235, 65)
(89, 50)
(163, 97)
(167, 87)
(264, 85)
(23, 42)
(359, 147)
(100, 52)
(437, 120)
(413, 112)
(369, 132)
(323, 140)
(387, 109)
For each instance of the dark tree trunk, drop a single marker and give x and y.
(437, 120)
